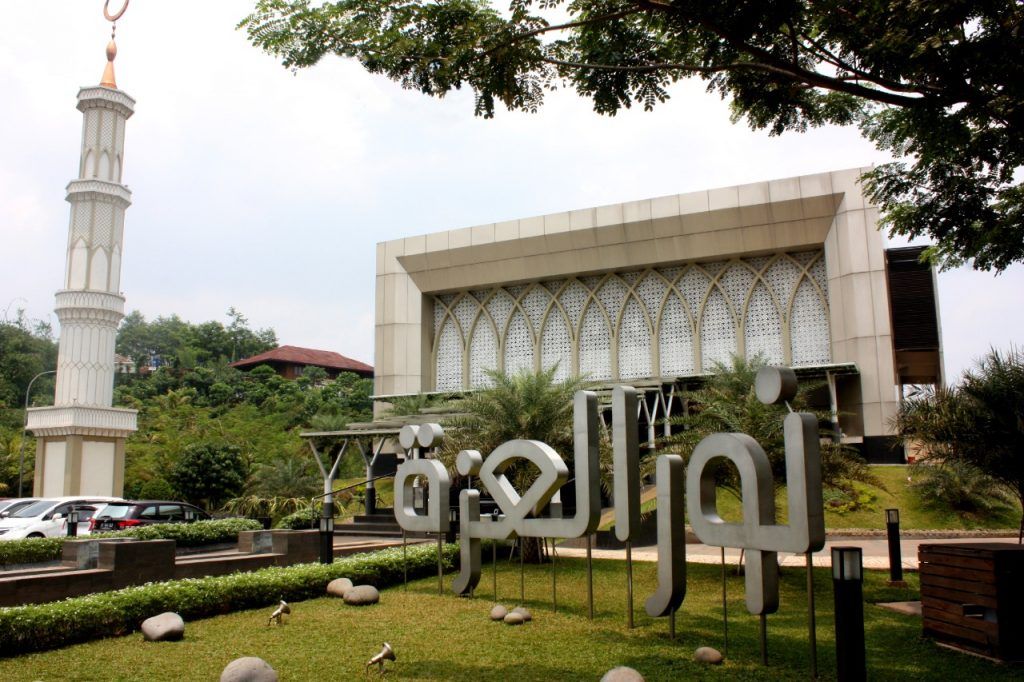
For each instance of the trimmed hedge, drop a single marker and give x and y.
(49, 626)
(36, 550)
(303, 519)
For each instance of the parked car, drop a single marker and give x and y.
(48, 518)
(10, 505)
(127, 514)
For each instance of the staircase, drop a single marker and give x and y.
(380, 525)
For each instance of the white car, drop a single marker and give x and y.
(48, 518)
(9, 506)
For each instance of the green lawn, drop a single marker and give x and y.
(913, 514)
(448, 638)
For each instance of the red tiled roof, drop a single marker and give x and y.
(306, 356)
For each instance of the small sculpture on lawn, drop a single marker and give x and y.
(386, 654)
(279, 613)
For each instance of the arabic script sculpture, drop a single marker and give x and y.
(521, 515)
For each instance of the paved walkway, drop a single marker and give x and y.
(876, 552)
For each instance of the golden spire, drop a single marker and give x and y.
(108, 80)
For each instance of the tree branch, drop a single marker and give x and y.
(519, 37)
(839, 63)
(788, 69)
(666, 66)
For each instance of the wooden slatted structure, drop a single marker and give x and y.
(972, 595)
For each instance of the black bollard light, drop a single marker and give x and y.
(73, 522)
(327, 534)
(848, 591)
(892, 527)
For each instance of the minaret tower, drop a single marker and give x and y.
(80, 440)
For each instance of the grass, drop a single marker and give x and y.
(448, 638)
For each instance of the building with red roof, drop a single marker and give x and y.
(291, 361)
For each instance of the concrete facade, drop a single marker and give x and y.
(801, 221)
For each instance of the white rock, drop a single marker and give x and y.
(513, 618)
(498, 612)
(524, 612)
(362, 595)
(706, 654)
(622, 674)
(167, 627)
(248, 669)
(338, 587)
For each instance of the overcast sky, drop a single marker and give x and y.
(265, 190)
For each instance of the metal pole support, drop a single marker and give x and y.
(590, 576)
(629, 584)
(892, 528)
(848, 588)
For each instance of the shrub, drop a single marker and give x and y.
(48, 626)
(209, 473)
(300, 520)
(959, 485)
(156, 489)
(30, 550)
(849, 499)
(254, 506)
(35, 550)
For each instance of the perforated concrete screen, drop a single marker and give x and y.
(657, 322)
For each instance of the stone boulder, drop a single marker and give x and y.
(513, 618)
(338, 587)
(524, 612)
(622, 674)
(362, 595)
(167, 627)
(248, 669)
(498, 612)
(706, 654)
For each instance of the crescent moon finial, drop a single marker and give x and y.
(117, 15)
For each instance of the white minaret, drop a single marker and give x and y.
(80, 440)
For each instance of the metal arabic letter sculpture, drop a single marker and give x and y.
(671, 538)
(514, 521)
(759, 535)
(438, 483)
(758, 501)
(626, 461)
(626, 467)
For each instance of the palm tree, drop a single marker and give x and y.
(727, 403)
(980, 421)
(527, 405)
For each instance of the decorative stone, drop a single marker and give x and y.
(362, 595)
(338, 587)
(622, 674)
(706, 654)
(167, 627)
(513, 618)
(498, 612)
(524, 612)
(248, 669)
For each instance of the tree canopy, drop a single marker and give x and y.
(27, 348)
(939, 83)
(171, 341)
